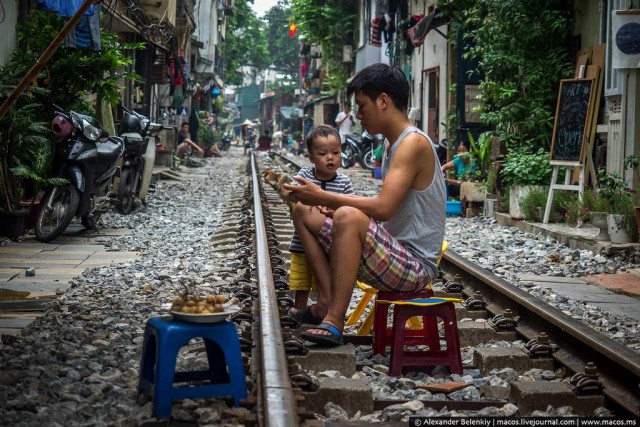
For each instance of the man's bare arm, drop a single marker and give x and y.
(401, 177)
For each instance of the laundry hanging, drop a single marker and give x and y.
(65, 8)
(86, 33)
(419, 32)
(374, 37)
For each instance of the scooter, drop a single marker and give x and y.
(85, 160)
(226, 142)
(350, 151)
(368, 145)
(139, 156)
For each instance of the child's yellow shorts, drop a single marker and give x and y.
(300, 276)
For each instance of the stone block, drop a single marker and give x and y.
(351, 395)
(488, 359)
(341, 358)
(463, 313)
(536, 395)
(474, 333)
(471, 192)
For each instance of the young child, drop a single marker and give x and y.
(323, 146)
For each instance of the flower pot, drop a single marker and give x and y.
(618, 228)
(34, 210)
(517, 193)
(472, 192)
(12, 224)
(599, 220)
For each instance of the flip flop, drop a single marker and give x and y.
(305, 315)
(332, 340)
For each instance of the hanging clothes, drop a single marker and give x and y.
(86, 33)
(387, 27)
(419, 32)
(408, 50)
(64, 8)
(374, 38)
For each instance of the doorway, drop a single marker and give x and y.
(431, 94)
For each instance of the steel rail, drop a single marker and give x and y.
(277, 393)
(618, 366)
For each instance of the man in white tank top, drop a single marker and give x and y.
(390, 241)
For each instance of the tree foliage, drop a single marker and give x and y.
(521, 49)
(329, 23)
(283, 50)
(245, 44)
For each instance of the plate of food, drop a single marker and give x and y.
(203, 309)
(204, 317)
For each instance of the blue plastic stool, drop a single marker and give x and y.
(163, 339)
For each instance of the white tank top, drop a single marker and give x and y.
(419, 220)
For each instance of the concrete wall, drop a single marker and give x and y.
(433, 54)
(9, 40)
(587, 25)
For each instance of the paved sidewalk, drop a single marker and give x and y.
(594, 291)
(22, 297)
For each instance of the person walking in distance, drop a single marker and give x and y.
(391, 241)
(344, 121)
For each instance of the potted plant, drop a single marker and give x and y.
(521, 172)
(633, 162)
(619, 205)
(597, 205)
(474, 188)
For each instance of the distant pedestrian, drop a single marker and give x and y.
(264, 142)
(344, 121)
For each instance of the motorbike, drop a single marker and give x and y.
(368, 145)
(226, 142)
(350, 151)
(361, 150)
(139, 156)
(86, 157)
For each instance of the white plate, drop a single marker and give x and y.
(204, 318)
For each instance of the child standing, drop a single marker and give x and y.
(324, 151)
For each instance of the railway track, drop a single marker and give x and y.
(575, 347)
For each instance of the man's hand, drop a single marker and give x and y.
(306, 192)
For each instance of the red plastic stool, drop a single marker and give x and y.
(450, 356)
(383, 332)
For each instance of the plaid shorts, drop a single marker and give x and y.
(385, 264)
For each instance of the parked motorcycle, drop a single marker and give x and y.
(226, 142)
(350, 151)
(355, 149)
(139, 156)
(368, 145)
(86, 156)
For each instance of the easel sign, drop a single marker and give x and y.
(575, 104)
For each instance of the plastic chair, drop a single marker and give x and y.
(369, 292)
(163, 339)
(430, 309)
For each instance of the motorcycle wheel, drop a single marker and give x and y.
(53, 221)
(346, 161)
(368, 160)
(125, 192)
(90, 222)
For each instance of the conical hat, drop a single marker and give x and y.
(247, 122)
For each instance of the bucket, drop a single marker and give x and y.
(377, 172)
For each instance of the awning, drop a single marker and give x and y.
(289, 113)
(316, 100)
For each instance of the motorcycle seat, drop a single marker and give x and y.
(111, 149)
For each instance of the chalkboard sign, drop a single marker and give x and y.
(572, 113)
